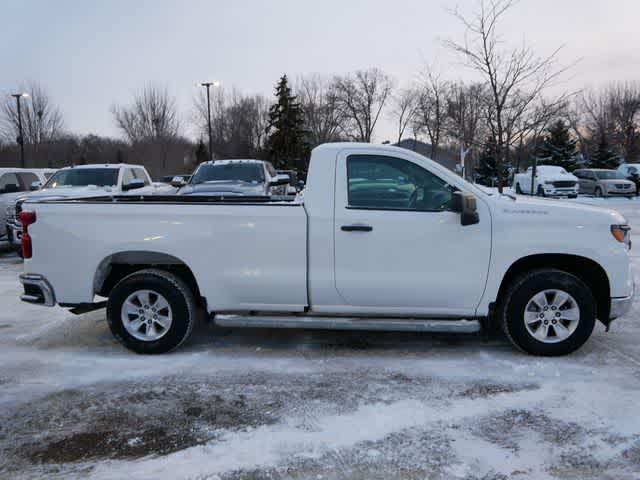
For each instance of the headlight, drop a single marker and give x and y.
(622, 233)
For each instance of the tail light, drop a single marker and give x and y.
(27, 218)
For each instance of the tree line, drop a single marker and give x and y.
(500, 122)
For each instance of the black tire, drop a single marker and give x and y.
(175, 291)
(512, 308)
(598, 192)
(573, 196)
(518, 189)
(541, 191)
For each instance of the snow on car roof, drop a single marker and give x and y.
(232, 161)
(104, 165)
(550, 168)
(27, 170)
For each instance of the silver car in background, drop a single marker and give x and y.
(604, 183)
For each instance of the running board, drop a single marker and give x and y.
(352, 323)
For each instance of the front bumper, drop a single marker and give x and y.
(37, 290)
(559, 191)
(14, 233)
(621, 305)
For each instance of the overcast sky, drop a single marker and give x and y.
(90, 54)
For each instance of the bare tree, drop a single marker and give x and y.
(323, 118)
(152, 116)
(432, 109)
(516, 77)
(42, 121)
(151, 120)
(361, 97)
(465, 113)
(238, 123)
(405, 109)
(623, 103)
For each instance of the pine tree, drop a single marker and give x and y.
(603, 155)
(285, 145)
(558, 147)
(489, 170)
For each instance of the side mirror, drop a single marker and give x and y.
(465, 205)
(178, 182)
(280, 180)
(35, 186)
(133, 184)
(10, 188)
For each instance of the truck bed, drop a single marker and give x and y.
(246, 252)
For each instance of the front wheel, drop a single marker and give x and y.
(598, 192)
(518, 189)
(541, 191)
(548, 312)
(151, 311)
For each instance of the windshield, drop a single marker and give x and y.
(609, 175)
(81, 177)
(244, 172)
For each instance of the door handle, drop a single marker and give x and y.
(356, 228)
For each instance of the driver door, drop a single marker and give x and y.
(398, 246)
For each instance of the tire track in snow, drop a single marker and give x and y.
(271, 445)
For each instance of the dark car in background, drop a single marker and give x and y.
(236, 177)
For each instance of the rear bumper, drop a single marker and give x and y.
(37, 290)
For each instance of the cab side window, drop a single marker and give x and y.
(9, 183)
(27, 178)
(380, 182)
(270, 169)
(140, 174)
(127, 176)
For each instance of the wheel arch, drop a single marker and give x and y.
(116, 266)
(587, 270)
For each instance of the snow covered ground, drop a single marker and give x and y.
(297, 404)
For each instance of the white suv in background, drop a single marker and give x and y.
(81, 181)
(14, 182)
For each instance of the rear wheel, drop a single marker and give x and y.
(151, 311)
(548, 312)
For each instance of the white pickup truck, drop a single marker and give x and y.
(550, 180)
(382, 238)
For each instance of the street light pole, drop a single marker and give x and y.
(20, 138)
(208, 85)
